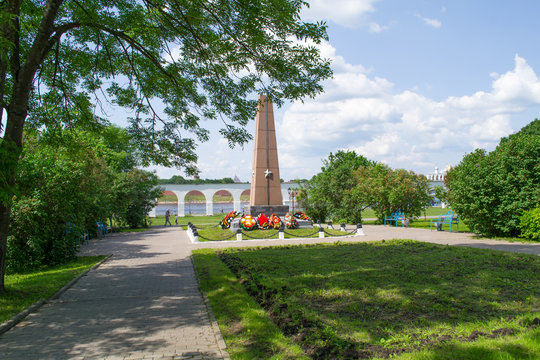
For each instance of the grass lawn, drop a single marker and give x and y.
(183, 220)
(400, 298)
(22, 290)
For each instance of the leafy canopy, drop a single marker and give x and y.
(201, 59)
(325, 194)
(349, 183)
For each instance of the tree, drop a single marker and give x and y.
(491, 191)
(386, 190)
(134, 194)
(202, 59)
(326, 192)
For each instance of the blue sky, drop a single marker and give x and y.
(417, 84)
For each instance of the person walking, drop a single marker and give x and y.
(167, 216)
(176, 219)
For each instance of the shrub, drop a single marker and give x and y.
(491, 190)
(530, 224)
(56, 185)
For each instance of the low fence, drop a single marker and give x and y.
(193, 233)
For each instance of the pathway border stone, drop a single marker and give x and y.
(6, 325)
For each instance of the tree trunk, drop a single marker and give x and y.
(4, 226)
(10, 148)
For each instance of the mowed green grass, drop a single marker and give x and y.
(399, 299)
(22, 290)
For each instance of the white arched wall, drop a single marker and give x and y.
(209, 190)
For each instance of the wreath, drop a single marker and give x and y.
(275, 221)
(300, 215)
(263, 222)
(290, 221)
(248, 223)
(225, 223)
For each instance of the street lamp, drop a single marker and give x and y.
(292, 194)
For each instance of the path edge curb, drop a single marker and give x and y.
(17, 318)
(213, 322)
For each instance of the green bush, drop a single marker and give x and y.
(530, 224)
(135, 194)
(490, 191)
(57, 185)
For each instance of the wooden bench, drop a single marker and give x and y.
(396, 216)
(445, 219)
(103, 229)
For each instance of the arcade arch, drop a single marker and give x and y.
(237, 191)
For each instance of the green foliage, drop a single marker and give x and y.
(441, 193)
(491, 191)
(203, 60)
(114, 145)
(396, 190)
(349, 184)
(196, 59)
(326, 193)
(135, 194)
(530, 224)
(178, 179)
(56, 185)
(77, 178)
(532, 128)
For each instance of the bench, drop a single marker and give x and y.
(445, 219)
(396, 216)
(82, 236)
(103, 229)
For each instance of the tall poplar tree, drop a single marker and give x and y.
(203, 59)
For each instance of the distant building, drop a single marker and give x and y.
(438, 175)
(436, 179)
(237, 180)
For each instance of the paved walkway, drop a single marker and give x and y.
(144, 301)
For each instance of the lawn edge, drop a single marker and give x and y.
(249, 316)
(17, 318)
(213, 322)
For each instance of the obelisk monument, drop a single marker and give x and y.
(265, 194)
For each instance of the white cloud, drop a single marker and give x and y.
(347, 13)
(376, 28)
(404, 129)
(365, 113)
(431, 22)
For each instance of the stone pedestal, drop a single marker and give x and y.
(255, 210)
(304, 224)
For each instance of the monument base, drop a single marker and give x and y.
(255, 210)
(304, 224)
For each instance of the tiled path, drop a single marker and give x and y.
(144, 301)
